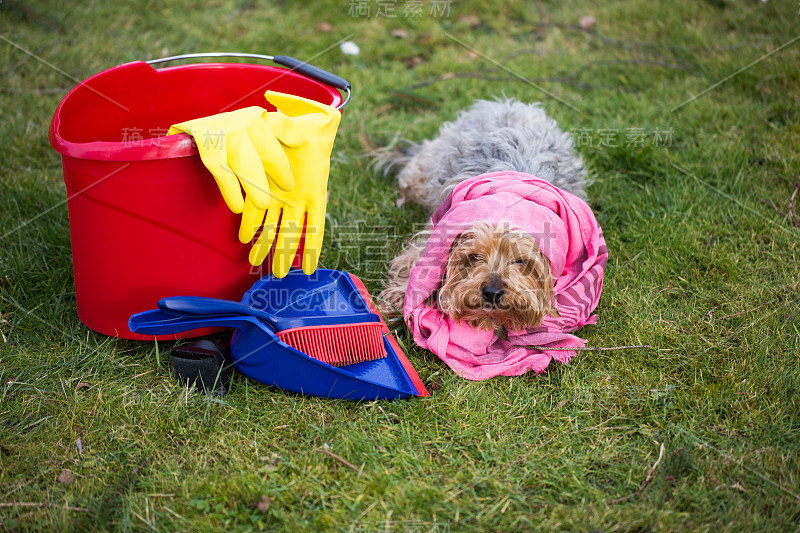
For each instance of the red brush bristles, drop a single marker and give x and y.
(339, 345)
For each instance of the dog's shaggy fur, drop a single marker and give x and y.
(496, 277)
(488, 137)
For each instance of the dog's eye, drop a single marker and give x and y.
(520, 261)
(474, 258)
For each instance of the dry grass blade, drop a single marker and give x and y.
(645, 482)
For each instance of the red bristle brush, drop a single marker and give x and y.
(337, 340)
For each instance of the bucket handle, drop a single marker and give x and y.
(315, 73)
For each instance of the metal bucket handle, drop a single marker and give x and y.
(315, 73)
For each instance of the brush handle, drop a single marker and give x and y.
(199, 306)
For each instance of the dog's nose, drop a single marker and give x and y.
(492, 294)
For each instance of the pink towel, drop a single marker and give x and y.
(567, 233)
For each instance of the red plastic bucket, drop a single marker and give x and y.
(146, 218)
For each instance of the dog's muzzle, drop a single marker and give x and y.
(492, 294)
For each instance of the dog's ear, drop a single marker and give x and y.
(456, 257)
(463, 237)
(544, 272)
(431, 300)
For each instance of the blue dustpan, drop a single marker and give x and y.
(260, 355)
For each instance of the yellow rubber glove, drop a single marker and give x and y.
(306, 130)
(241, 152)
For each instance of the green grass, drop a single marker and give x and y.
(703, 267)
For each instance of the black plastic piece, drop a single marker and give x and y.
(315, 73)
(204, 365)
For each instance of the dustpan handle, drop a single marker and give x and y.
(157, 322)
(296, 65)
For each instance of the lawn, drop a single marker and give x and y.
(687, 115)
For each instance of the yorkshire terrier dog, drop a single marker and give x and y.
(496, 277)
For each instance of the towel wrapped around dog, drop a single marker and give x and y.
(567, 234)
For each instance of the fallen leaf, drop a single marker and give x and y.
(587, 22)
(471, 20)
(264, 504)
(82, 385)
(66, 477)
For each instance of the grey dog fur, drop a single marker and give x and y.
(490, 136)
